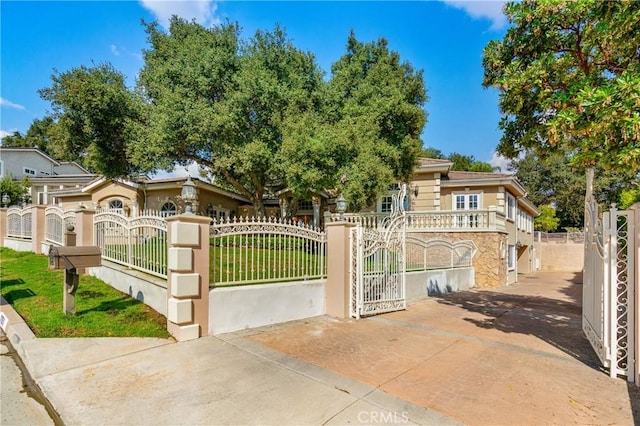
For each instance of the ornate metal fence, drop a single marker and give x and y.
(139, 243)
(19, 222)
(261, 250)
(608, 317)
(378, 263)
(438, 254)
(56, 221)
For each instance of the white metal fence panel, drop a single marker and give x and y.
(608, 316)
(19, 222)
(422, 255)
(378, 263)
(56, 222)
(263, 250)
(139, 243)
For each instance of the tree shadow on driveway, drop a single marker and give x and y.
(557, 321)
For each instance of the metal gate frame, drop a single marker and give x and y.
(378, 263)
(609, 286)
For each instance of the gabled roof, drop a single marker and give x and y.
(433, 165)
(55, 163)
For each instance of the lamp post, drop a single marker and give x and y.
(341, 206)
(189, 194)
(5, 200)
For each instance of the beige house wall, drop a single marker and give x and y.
(114, 191)
(490, 196)
(428, 198)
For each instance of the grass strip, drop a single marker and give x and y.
(35, 293)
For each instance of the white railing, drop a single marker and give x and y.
(261, 250)
(560, 237)
(439, 254)
(56, 221)
(442, 220)
(139, 243)
(19, 222)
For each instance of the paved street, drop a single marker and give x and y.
(17, 406)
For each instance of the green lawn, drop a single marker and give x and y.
(101, 311)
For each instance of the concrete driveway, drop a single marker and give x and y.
(514, 355)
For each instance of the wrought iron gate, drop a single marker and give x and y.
(378, 263)
(608, 285)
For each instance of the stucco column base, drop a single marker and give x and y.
(183, 333)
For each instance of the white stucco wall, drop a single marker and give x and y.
(237, 308)
(145, 288)
(18, 245)
(420, 285)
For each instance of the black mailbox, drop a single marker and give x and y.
(74, 257)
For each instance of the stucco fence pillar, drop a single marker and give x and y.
(188, 276)
(338, 290)
(3, 225)
(37, 228)
(84, 227)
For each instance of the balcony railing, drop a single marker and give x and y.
(432, 221)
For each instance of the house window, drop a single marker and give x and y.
(385, 204)
(217, 212)
(511, 257)
(29, 172)
(304, 205)
(116, 204)
(168, 209)
(511, 207)
(467, 201)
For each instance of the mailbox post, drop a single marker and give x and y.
(71, 259)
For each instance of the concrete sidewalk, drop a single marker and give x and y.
(514, 355)
(210, 381)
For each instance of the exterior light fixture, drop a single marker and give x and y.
(189, 194)
(5, 199)
(416, 190)
(341, 206)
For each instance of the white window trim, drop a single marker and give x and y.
(454, 196)
(510, 213)
(511, 256)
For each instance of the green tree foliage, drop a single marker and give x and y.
(366, 133)
(546, 220)
(461, 162)
(95, 115)
(568, 73)
(16, 190)
(222, 102)
(628, 197)
(39, 135)
(553, 178)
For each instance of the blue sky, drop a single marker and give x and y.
(443, 38)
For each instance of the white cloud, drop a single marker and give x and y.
(499, 161)
(482, 9)
(202, 11)
(192, 169)
(5, 102)
(115, 50)
(4, 133)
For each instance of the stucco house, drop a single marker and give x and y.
(44, 173)
(458, 200)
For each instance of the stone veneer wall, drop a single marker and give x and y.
(489, 264)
